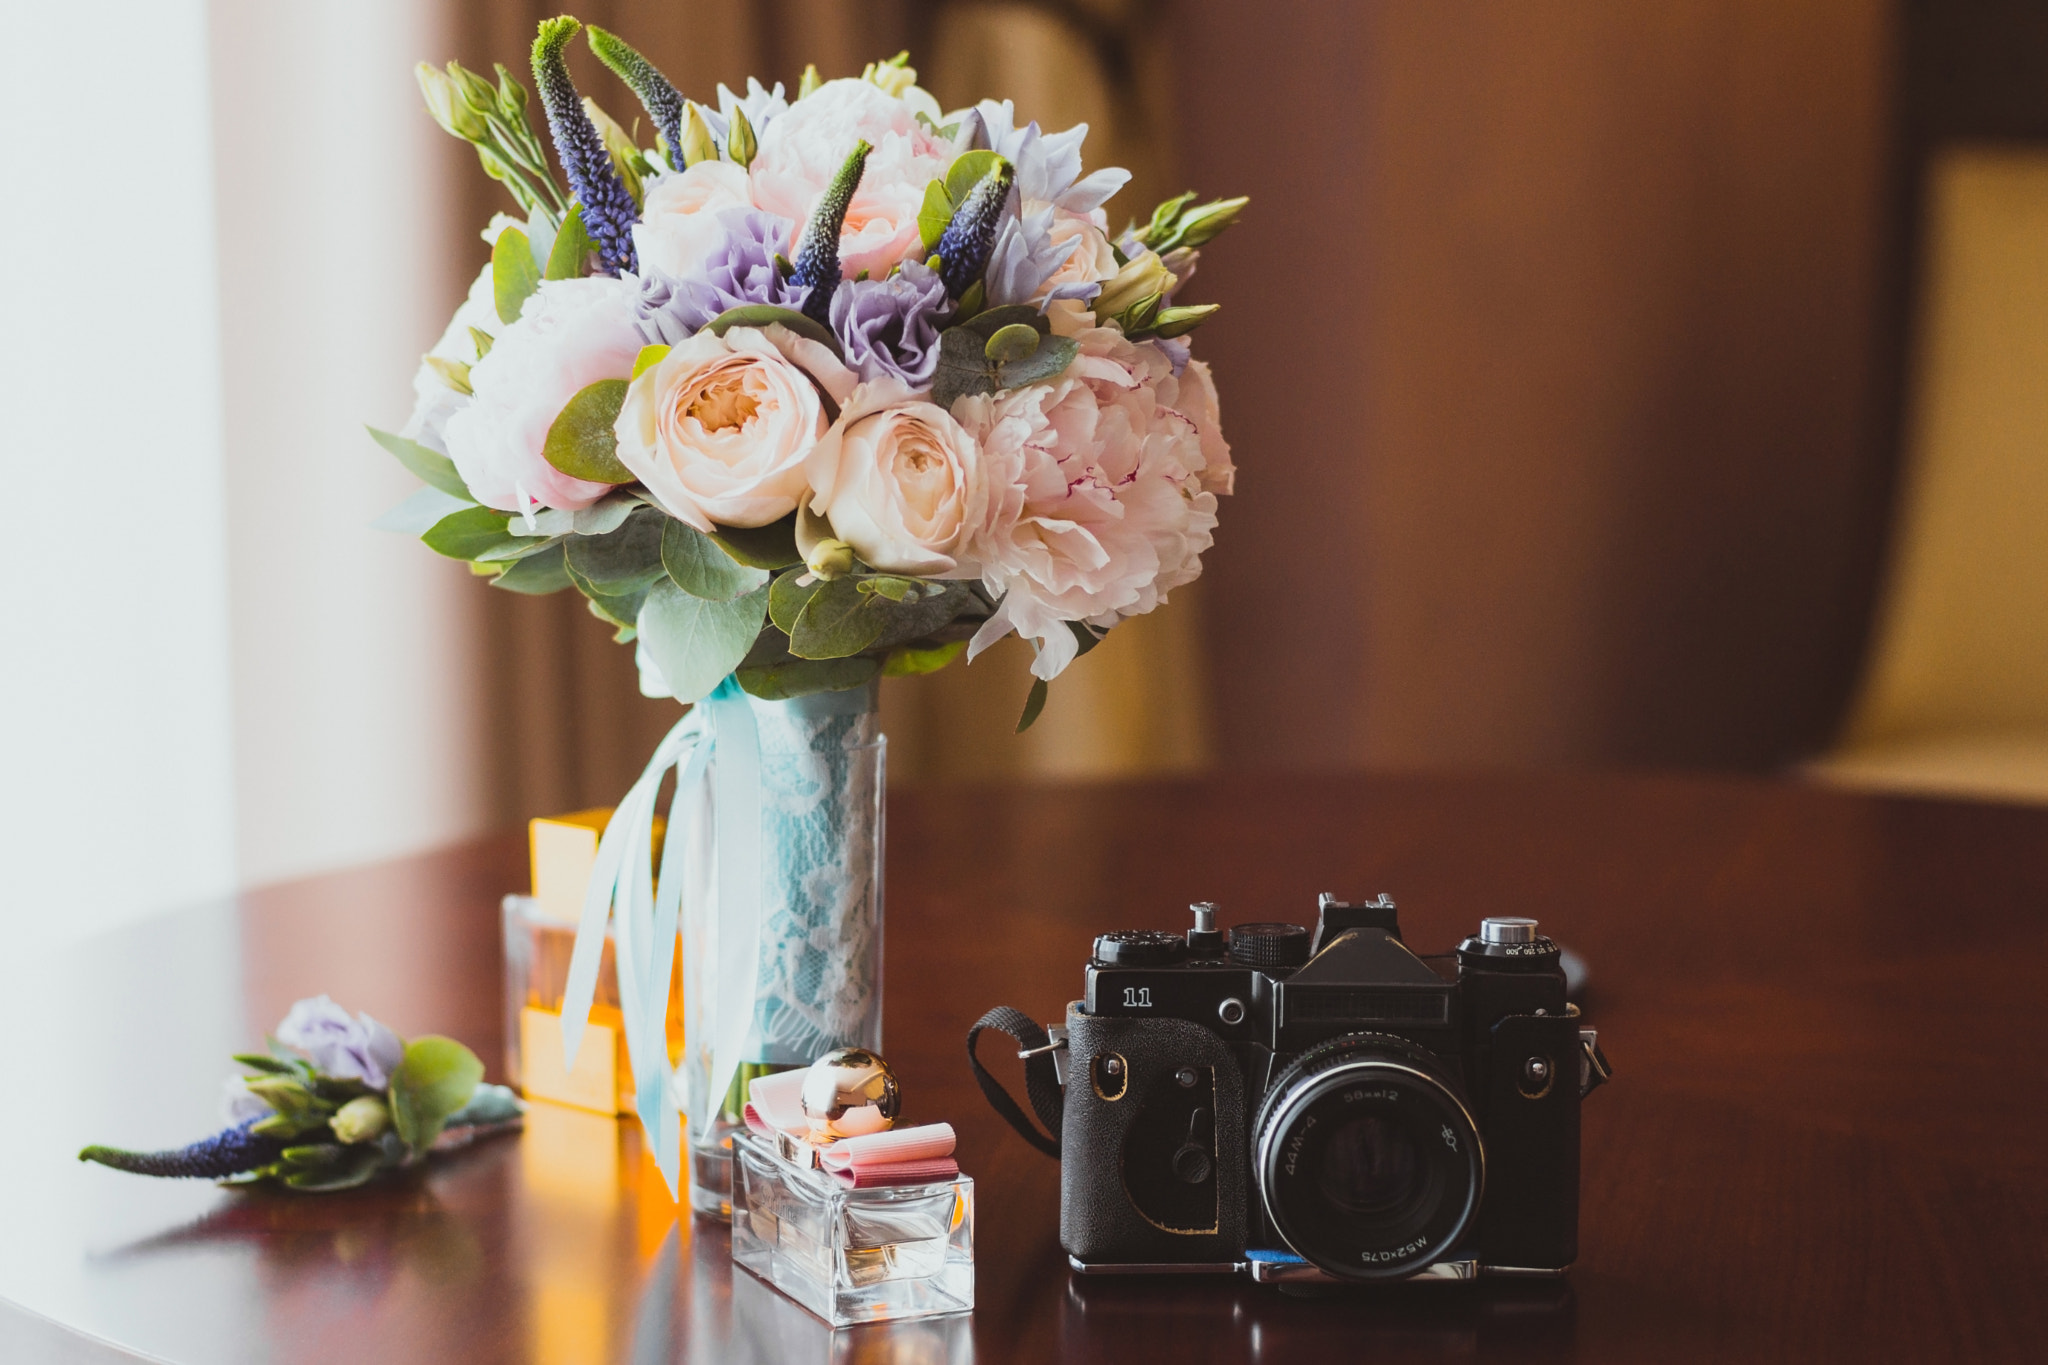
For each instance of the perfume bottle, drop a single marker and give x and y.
(540, 939)
(876, 1254)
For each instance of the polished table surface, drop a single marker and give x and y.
(1824, 1140)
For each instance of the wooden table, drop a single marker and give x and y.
(1824, 1141)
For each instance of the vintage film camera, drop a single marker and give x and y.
(1300, 1108)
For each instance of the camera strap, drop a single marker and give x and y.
(1041, 1081)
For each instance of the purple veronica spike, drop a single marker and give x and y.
(231, 1151)
(964, 246)
(817, 251)
(608, 212)
(740, 271)
(890, 327)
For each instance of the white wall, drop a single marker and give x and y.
(356, 733)
(223, 253)
(115, 777)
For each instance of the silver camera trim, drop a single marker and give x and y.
(1301, 1272)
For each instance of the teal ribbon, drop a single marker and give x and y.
(644, 926)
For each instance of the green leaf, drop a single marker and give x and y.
(480, 339)
(839, 620)
(987, 324)
(1014, 342)
(787, 598)
(434, 1079)
(763, 314)
(935, 606)
(697, 565)
(256, 1061)
(649, 357)
(537, 575)
(968, 170)
(764, 547)
(581, 443)
(935, 216)
(910, 662)
(468, 533)
(356, 1169)
(513, 276)
(1086, 637)
(490, 1104)
(418, 513)
(695, 643)
(430, 467)
(891, 586)
(453, 373)
(622, 563)
(314, 1154)
(971, 302)
(622, 610)
(1033, 704)
(1053, 355)
(962, 369)
(572, 248)
(803, 677)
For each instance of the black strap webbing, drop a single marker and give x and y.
(1041, 1082)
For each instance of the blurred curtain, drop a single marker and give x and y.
(574, 729)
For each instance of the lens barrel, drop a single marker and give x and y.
(1369, 1164)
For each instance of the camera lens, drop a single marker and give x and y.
(1368, 1162)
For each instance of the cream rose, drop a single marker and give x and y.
(719, 429)
(901, 482)
(678, 224)
(803, 149)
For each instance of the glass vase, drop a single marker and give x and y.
(818, 963)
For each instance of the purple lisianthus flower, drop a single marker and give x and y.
(890, 327)
(739, 271)
(345, 1048)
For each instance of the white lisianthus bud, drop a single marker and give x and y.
(1142, 277)
(361, 1120)
(830, 559)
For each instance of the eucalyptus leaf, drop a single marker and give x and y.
(430, 467)
(962, 367)
(839, 620)
(571, 249)
(765, 314)
(787, 598)
(624, 562)
(1011, 343)
(910, 661)
(601, 518)
(987, 324)
(697, 565)
(764, 547)
(435, 1078)
(468, 533)
(968, 170)
(695, 643)
(905, 621)
(419, 512)
(516, 546)
(514, 276)
(804, 677)
(1053, 355)
(1033, 704)
(581, 443)
(490, 1104)
(620, 611)
(537, 575)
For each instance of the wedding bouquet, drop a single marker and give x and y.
(818, 389)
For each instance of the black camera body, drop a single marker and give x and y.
(1334, 1106)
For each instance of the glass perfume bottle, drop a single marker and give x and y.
(882, 1253)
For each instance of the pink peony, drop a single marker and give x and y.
(803, 149)
(570, 334)
(1107, 481)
